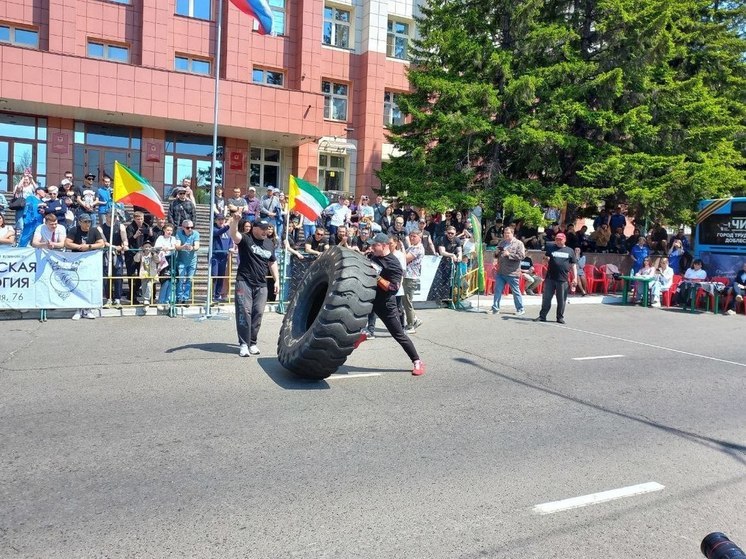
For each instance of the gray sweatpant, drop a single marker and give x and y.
(250, 303)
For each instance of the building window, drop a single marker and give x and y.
(23, 145)
(200, 9)
(268, 77)
(265, 167)
(193, 65)
(278, 17)
(335, 100)
(20, 36)
(98, 146)
(336, 27)
(391, 114)
(332, 169)
(190, 156)
(397, 39)
(115, 53)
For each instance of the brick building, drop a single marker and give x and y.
(86, 82)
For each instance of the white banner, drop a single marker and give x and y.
(50, 279)
(429, 267)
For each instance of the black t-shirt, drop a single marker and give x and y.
(254, 256)
(132, 229)
(391, 270)
(560, 263)
(451, 245)
(526, 264)
(79, 237)
(316, 244)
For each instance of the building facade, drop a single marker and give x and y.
(86, 82)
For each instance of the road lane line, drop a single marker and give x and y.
(654, 346)
(358, 375)
(596, 357)
(596, 498)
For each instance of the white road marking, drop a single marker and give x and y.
(595, 498)
(358, 375)
(596, 357)
(664, 348)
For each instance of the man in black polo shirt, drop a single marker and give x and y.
(561, 260)
(256, 253)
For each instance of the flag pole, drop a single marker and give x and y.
(111, 238)
(213, 174)
(285, 255)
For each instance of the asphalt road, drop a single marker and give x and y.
(150, 437)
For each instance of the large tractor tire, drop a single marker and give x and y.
(327, 313)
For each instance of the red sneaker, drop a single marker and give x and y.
(361, 339)
(418, 369)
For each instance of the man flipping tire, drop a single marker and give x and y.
(390, 276)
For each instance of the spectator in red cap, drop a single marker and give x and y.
(560, 260)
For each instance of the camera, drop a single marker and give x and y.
(718, 546)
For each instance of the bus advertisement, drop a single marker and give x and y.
(720, 236)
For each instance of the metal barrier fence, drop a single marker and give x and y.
(450, 286)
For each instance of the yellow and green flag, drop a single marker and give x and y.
(131, 188)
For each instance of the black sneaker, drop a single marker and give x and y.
(539, 319)
(561, 320)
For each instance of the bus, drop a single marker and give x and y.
(720, 236)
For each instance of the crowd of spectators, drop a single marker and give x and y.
(150, 252)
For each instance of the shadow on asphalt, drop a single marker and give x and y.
(210, 347)
(734, 450)
(287, 380)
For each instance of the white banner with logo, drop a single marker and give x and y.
(50, 279)
(430, 266)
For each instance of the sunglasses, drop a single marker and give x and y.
(188, 227)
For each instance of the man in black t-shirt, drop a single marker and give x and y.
(255, 253)
(316, 244)
(84, 238)
(450, 246)
(560, 261)
(390, 275)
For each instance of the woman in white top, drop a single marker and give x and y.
(7, 234)
(692, 277)
(397, 249)
(165, 245)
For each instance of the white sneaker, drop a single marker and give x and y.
(254, 350)
(244, 351)
(89, 314)
(520, 312)
(730, 312)
(76, 316)
(655, 304)
(410, 330)
(118, 303)
(107, 303)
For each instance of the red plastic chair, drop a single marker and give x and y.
(739, 304)
(666, 295)
(591, 279)
(607, 280)
(541, 271)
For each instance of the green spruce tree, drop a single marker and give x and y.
(574, 102)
